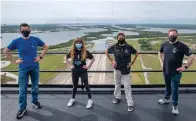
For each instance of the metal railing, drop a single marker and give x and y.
(96, 85)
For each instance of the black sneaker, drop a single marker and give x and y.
(20, 113)
(37, 105)
(115, 101)
(130, 108)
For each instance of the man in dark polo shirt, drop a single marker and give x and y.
(172, 53)
(122, 64)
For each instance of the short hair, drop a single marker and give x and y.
(120, 34)
(172, 30)
(24, 25)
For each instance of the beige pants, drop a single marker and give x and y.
(126, 79)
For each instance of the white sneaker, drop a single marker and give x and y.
(89, 103)
(130, 108)
(71, 102)
(164, 101)
(175, 110)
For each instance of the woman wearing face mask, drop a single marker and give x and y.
(79, 54)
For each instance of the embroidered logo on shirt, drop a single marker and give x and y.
(190, 51)
(77, 62)
(126, 51)
(174, 50)
(32, 45)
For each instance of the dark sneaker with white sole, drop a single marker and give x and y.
(20, 113)
(37, 105)
(115, 100)
(163, 101)
(130, 108)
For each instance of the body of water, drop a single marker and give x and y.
(50, 38)
(86, 30)
(165, 30)
(100, 45)
(114, 34)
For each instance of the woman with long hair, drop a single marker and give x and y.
(78, 53)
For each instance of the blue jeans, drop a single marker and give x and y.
(171, 84)
(23, 80)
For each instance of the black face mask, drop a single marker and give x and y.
(172, 38)
(121, 41)
(25, 33)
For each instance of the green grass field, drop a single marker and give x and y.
(137, 78)
(152, 61)
(189, 77)
(55, 62)
(50, 62)
(5, 79)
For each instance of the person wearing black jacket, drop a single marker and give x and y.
(122, 65)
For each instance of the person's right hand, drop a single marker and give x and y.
(113, 64)
(19, 61)
(72, 66)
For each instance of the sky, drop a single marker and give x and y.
(35, 12)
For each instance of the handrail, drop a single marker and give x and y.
(94, 71)
(64, 71)
(101, 52)
(98, 85)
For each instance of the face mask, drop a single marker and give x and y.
(121, 41)
(25, 33)
(79, 46)
(172, 38)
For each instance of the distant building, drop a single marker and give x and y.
(110, 38)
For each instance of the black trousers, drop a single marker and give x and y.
(84, 78)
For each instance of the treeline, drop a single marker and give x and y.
(61, 45)
(96, 35)
(145, 45)
(150, 34)
(147, 34)
(85, 38)
(38, 27)
(153, 44)
(127, 25)
(176, 26)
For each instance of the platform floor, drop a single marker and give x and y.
(54, 108)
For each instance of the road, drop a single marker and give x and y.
(14, 76)
(145, 73)
(100, 64)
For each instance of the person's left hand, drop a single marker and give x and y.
(37, 59)
(130, 64)
(85, 67)
(181, 69)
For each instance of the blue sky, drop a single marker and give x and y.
(97, 11)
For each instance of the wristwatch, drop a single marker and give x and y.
(40, 57)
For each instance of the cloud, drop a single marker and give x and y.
(74, 11)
